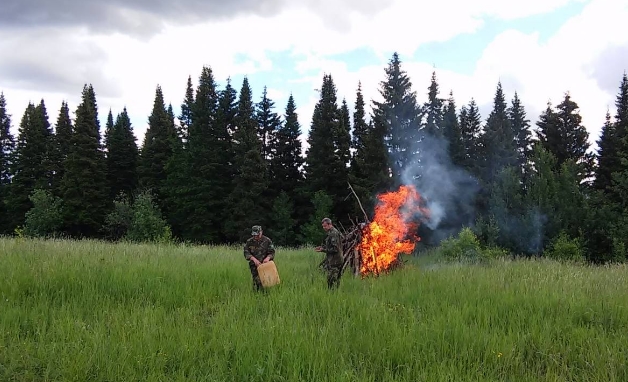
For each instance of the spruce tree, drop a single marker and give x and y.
(85, 193)
(498, 146)
(561, 133)
(399, 116)
(268, 122)
(607, 227)
(248, 206)
(453, 133)
(358, 175)
(287, 160)
(470, 129)
(187, 115)
(199, 181)
(157, 149)
(327, 157)
(608, 160)
(369, 171)
(177, 187)
(7, 147)
(321, 150)
(31, 166)
(433, 111)
(521, 128)
(613, 142)
(122, 158)
(343, 137)
(342, 142)
(61, 148)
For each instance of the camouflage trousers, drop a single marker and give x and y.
(334, 271)
(257, 282)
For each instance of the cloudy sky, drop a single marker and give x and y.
(539, 48)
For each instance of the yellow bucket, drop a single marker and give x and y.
(268, 274)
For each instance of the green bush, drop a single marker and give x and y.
(147, 224)
(565, 248)
(465, 246)
(118, 221)
(44, 218)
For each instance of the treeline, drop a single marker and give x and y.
(228, 162)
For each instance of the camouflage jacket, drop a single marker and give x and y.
(259, 248)
(333, 245)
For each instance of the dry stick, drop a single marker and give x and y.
(359, 202)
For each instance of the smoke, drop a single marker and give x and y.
(449, 190)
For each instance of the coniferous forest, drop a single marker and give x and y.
(229, 161)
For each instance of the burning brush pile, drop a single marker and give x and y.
(375, 246)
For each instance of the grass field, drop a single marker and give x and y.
(89, 311)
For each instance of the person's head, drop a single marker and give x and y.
(256, 231)
(326, 223)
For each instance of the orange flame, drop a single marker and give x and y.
(387, 235)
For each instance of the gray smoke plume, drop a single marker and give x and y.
(449, 190)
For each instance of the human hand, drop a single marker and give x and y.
(255, 261)
(266, 259)
(318, 249)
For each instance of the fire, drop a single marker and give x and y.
(387, 235)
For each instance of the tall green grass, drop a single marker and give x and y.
(91, 311)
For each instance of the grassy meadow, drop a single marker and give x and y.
(92, 311)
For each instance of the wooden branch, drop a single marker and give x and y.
(366, 218)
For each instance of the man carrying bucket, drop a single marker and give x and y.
(257, 250)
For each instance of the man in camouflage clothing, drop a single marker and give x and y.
(332, 247)
(257, 250)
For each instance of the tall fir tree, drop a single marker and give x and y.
(286, 164)
(187, 114)
(177, 189)
(157, 149)
(85, 193)
(561, 133)
(470, 129)
(286, 168)
(523, 135)
(200, 188)
(122, 158)
(248, 206)
(607, 225)
(608, 160)
(453, 133)
(326, 169)
(357, 171)
(342, 142)
(399, 116)
(268, 122)
(433, 111)
(61, 148)
(226, 125)
(7, 148)
(613, 142)
(498, 145)
(321, 150)
(31, 165)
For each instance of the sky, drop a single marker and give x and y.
(539, 48)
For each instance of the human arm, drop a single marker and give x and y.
(270, 252)
(249, 256)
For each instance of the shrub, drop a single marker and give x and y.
(44, 218)
(565, 248)
(464, 247)
(147, 224)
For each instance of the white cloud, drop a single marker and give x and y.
(537, 71)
